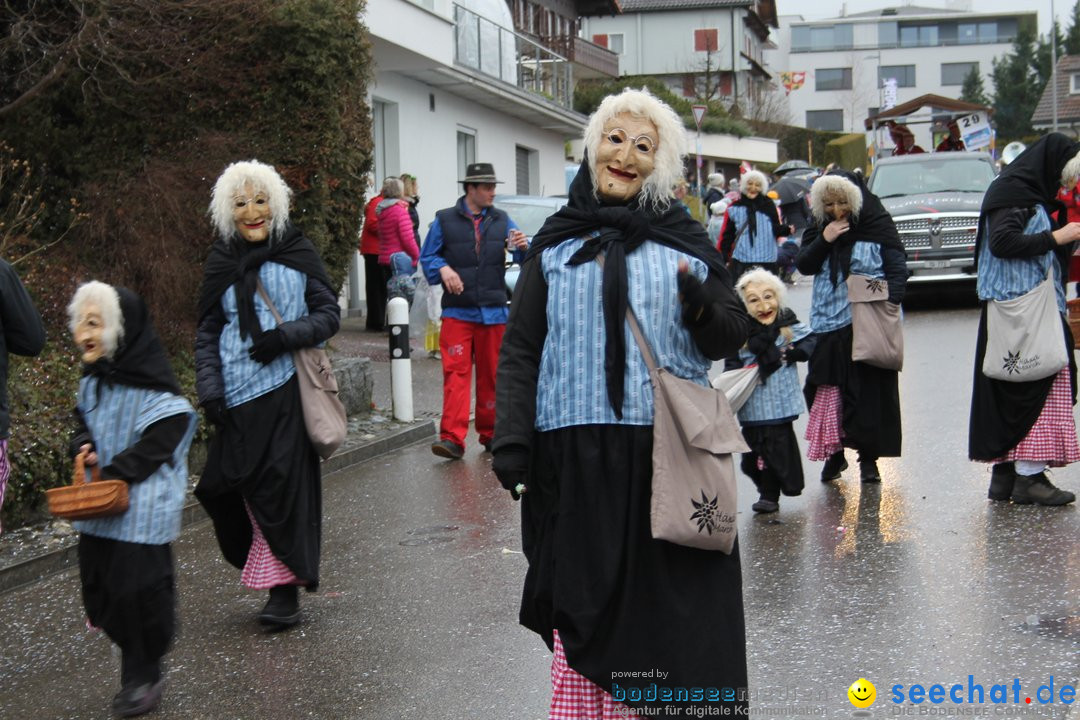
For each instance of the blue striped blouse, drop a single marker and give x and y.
(572, 388)
(759, 248)
(830, 309)
(781, 396)
(246, 379)
(116, 420)
(1008, 278)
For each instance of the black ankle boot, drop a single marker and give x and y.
(283, 608)
(1002, 479)
(1038, 489)
(868, 471)
(835, 465)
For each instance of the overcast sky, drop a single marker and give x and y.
(820, 9)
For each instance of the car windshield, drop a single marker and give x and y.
(932, 175)
(528, 216)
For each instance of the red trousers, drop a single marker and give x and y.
(462, 345)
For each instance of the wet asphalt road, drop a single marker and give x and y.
(917, 581)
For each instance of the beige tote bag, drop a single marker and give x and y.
(876, 325)
(1024, 337)
(694, 498)
(324, 415)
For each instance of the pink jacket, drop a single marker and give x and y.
(395, 231)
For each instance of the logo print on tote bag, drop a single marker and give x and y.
(1012, 363)
(705, 513)
(875, 285)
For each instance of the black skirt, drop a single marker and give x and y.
(779, 448)
(128, 592)
(1003, 413)
(262, 455)
(870, 395)
(621, 601)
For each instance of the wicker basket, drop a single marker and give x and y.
(83, 500)
(1073, 309)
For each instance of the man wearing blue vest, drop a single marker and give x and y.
(465, 252)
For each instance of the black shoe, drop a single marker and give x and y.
(1037, 489)
(282, 610)
(868, 471)
(764, 505)
(138, 699)
(1002, 479)
(835, 465)
(447, 449)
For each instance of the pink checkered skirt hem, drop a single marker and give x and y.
(262, 569)
(576, 698)
(824, 431)
(1052, 439)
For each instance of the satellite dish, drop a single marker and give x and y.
(1012, 151)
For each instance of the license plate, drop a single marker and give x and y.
(937, 263)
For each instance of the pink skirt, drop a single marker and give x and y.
(574, 697)
(1052, 439)
(824, 431)
(263, 570)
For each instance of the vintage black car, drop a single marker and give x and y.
(934, 199)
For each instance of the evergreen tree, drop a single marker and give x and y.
(1072, 37)
(1042, 54)
(973, 90)
(1017, 87)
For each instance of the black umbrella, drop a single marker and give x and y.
(791, 189)
(792, 165)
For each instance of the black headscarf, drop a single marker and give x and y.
(140, 359)
(623, 228)
(761, 342)
(1034, 177)
(762, 203)
(873, 224)
(237, 263)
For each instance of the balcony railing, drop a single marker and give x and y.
(487, 47)
(583, 52)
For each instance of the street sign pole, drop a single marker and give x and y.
(699, 113)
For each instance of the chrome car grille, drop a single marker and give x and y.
(937, 230)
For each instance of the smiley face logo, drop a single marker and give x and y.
(862, 693)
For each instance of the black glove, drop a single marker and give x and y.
(795, 354)
(267, 346)
(759, 343)
(696, 303)
(511, 466)
(215, 411)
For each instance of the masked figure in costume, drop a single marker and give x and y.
(573, 429)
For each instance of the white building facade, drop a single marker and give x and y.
(842, 70)
(454, 84)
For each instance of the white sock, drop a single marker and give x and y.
(1029, 467)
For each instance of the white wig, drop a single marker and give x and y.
(761, 276)
(716, 180)
(263, 178)
(1071, 172)
(108, 302)
(754, 175)
(834, 185)
(657, 189)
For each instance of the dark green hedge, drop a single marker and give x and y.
(137, 141)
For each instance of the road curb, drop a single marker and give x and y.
(41, 566)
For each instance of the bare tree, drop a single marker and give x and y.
(856, 100)
(135, 42)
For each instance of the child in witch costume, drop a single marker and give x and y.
(777, 341)
(134, 422)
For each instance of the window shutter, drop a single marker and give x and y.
(705, 40)
(600, 40)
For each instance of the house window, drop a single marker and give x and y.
(825, 120)
(615, 43)
(809, 38)
(1074, 84)
(466, 149)
(954, 73)
(832, 79)
(918, 35)
(706, 40)
(903, 74)
(525, 170)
